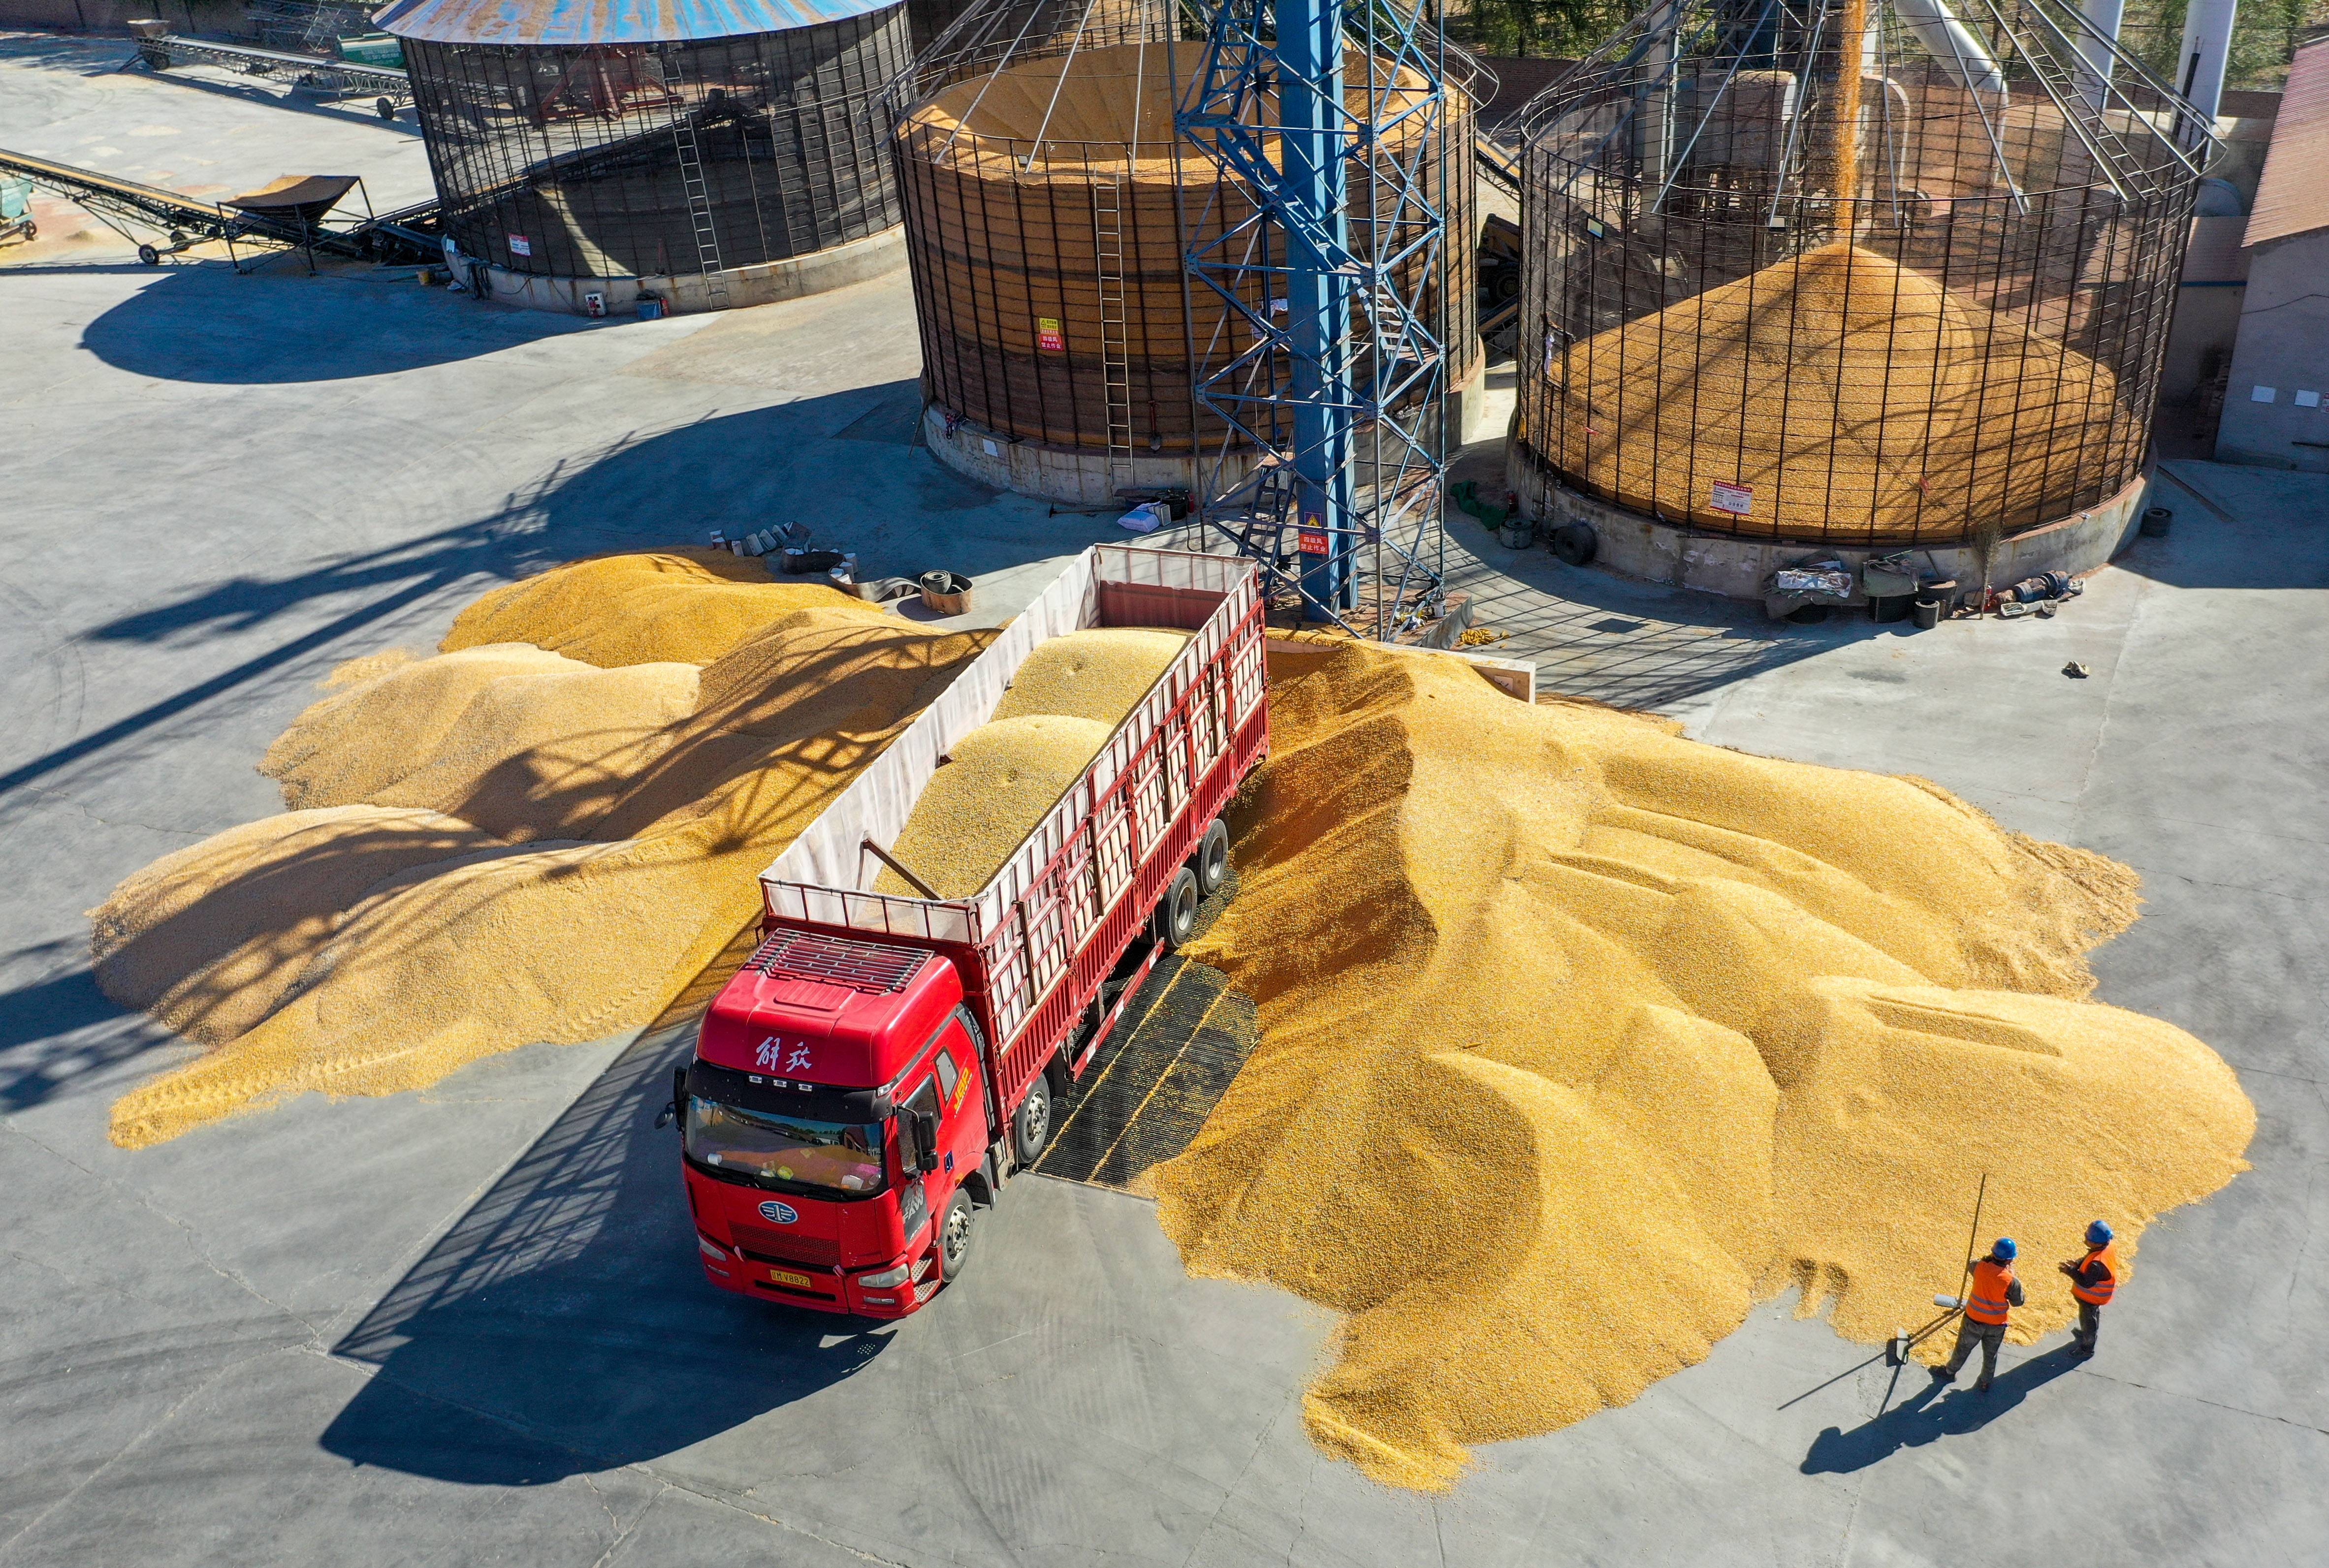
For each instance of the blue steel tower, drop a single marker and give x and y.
(1333, 115)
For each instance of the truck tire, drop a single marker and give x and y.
(1177, 915)
(953, 1238)
(1030, 1124)
(1212, 857)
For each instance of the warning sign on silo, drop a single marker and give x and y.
(1739, 500)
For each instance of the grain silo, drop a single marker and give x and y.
(709, 154)
(1049, 204)
(1866, 276)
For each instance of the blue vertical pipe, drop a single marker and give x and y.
(1310, 56)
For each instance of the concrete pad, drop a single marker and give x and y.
(467, 1325)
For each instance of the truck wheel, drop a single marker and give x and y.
(1031, 1128)
(1176, 916)
(1212, 857)
(953, 1238)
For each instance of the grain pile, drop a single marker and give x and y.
(1848, 392)
(1579, 1038)
(1096, 673)
(519, 742)
(1003, 777)
(688, 605)
(577, 864)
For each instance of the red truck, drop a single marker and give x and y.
(880, 1066)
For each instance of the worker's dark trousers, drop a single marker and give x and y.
(2090, 1323)
(1989, 1336)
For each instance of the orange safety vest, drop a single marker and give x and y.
(2099, 1294)
(1988, 1303)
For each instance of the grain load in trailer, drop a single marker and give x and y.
(885, 1061)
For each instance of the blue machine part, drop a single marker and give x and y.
(586, 21)
(1312, 187)
(1342, 393)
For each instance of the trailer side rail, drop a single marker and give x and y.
(1099, 858)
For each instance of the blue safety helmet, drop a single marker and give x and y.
(2004, 1250)
(2099, 1234)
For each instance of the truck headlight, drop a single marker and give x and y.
(709, 1251)
(887, 1277)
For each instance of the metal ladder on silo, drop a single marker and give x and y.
(1114, 327)
(699, 194)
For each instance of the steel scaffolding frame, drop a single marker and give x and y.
(1336, 411)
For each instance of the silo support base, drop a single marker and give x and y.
(1081, 475)
(1071, 475)
(684, 293)
(1736, 569)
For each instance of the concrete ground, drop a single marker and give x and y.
(464, 1326)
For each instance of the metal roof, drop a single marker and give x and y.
(580, 21)
(2293, 196)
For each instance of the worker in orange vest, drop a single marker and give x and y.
(1986, 1307)
(2093, 1279)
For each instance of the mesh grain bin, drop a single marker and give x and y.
(714, 154)
(1045, 216)
(1866, 275)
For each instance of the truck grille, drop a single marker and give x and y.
(866, 966)
(769, 1246)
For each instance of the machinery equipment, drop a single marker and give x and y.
(333, 77)
(1345, 393)
(16, 208)
(881, 1064)
(130, 209)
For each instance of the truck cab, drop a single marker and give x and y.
(837, 1125)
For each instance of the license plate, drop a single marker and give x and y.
(786, 1277)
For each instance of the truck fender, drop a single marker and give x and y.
(980, 1182)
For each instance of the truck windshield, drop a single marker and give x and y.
(838, 1156)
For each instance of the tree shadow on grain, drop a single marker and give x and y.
(563, 1325)
(1929, 1414)
(632, 493)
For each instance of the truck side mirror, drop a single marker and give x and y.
(926, 1141)
(670, 1113)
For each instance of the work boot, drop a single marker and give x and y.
(1943, 1374)
(1981, 1387)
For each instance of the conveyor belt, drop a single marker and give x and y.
(331, 76)
(187, 220)
(127, 200)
